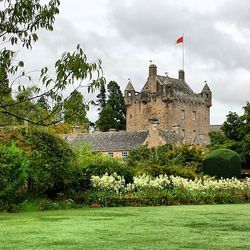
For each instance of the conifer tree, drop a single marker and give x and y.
(114, 113)
(101, 98)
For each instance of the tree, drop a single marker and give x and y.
(20, 22)
(101, 98)
(106, 119)
(75, 109)
(116, 106)
(235, 135)
(43, 103)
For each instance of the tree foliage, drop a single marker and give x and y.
(113, 115)
(75, 109)
(20, 22)
(102, 98)
(235, 135)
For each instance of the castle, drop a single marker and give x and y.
(172, 104)
(165, 111)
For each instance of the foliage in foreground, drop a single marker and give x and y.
(111, 190)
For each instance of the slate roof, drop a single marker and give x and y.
(178, 84)
(215, 128)
(119, 141)
(170, 137)
(112, 141)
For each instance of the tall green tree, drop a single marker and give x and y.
(101, 98)
(20, 21)
(75, 109)
(117, 104)
(106, 119)
(114, 113)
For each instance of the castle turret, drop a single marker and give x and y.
(207, 94)
(129, 93)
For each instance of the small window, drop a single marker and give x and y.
(129, 93)
(183, 114)
(111, 154)
(130, 116)
(194, 116)
(124, 154)
(183, 132)
(194, 134)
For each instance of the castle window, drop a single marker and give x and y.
(194, 116)
(129, 93)
(111, 154)
(183, 114)
(124, 154)
(183, 132)
(130, 116)
(194, 134)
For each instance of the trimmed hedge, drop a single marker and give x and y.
(222, 163)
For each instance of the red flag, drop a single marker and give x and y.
(180, 40)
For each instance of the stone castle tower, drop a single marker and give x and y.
(173, 104)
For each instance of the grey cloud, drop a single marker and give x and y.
(157, 25)
(236, 12)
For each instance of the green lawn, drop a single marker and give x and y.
(172, 227)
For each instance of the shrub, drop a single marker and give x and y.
(222, 163)
(155, 170)
(13, 175)
(92, 163)
(51, 161)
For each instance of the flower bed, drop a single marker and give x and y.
(111, 190)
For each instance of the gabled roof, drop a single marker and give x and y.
(120, 141)
(112, 141)
(178, 84)
(129, 87)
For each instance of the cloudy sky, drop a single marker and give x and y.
(127, 34)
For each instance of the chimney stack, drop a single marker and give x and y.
(152, 70)
(182, 74)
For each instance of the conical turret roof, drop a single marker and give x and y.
(129, 87)
(206, 89)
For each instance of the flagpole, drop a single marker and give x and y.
(183, 51)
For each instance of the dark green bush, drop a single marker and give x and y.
(182, 161)
(13, 175)
(91, 163)
(51, 161)
(222, 163)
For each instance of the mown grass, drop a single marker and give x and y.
(172, 227)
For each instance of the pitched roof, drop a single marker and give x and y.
(120, 141)
(170, 137)
(112, 141)
(177, 84)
